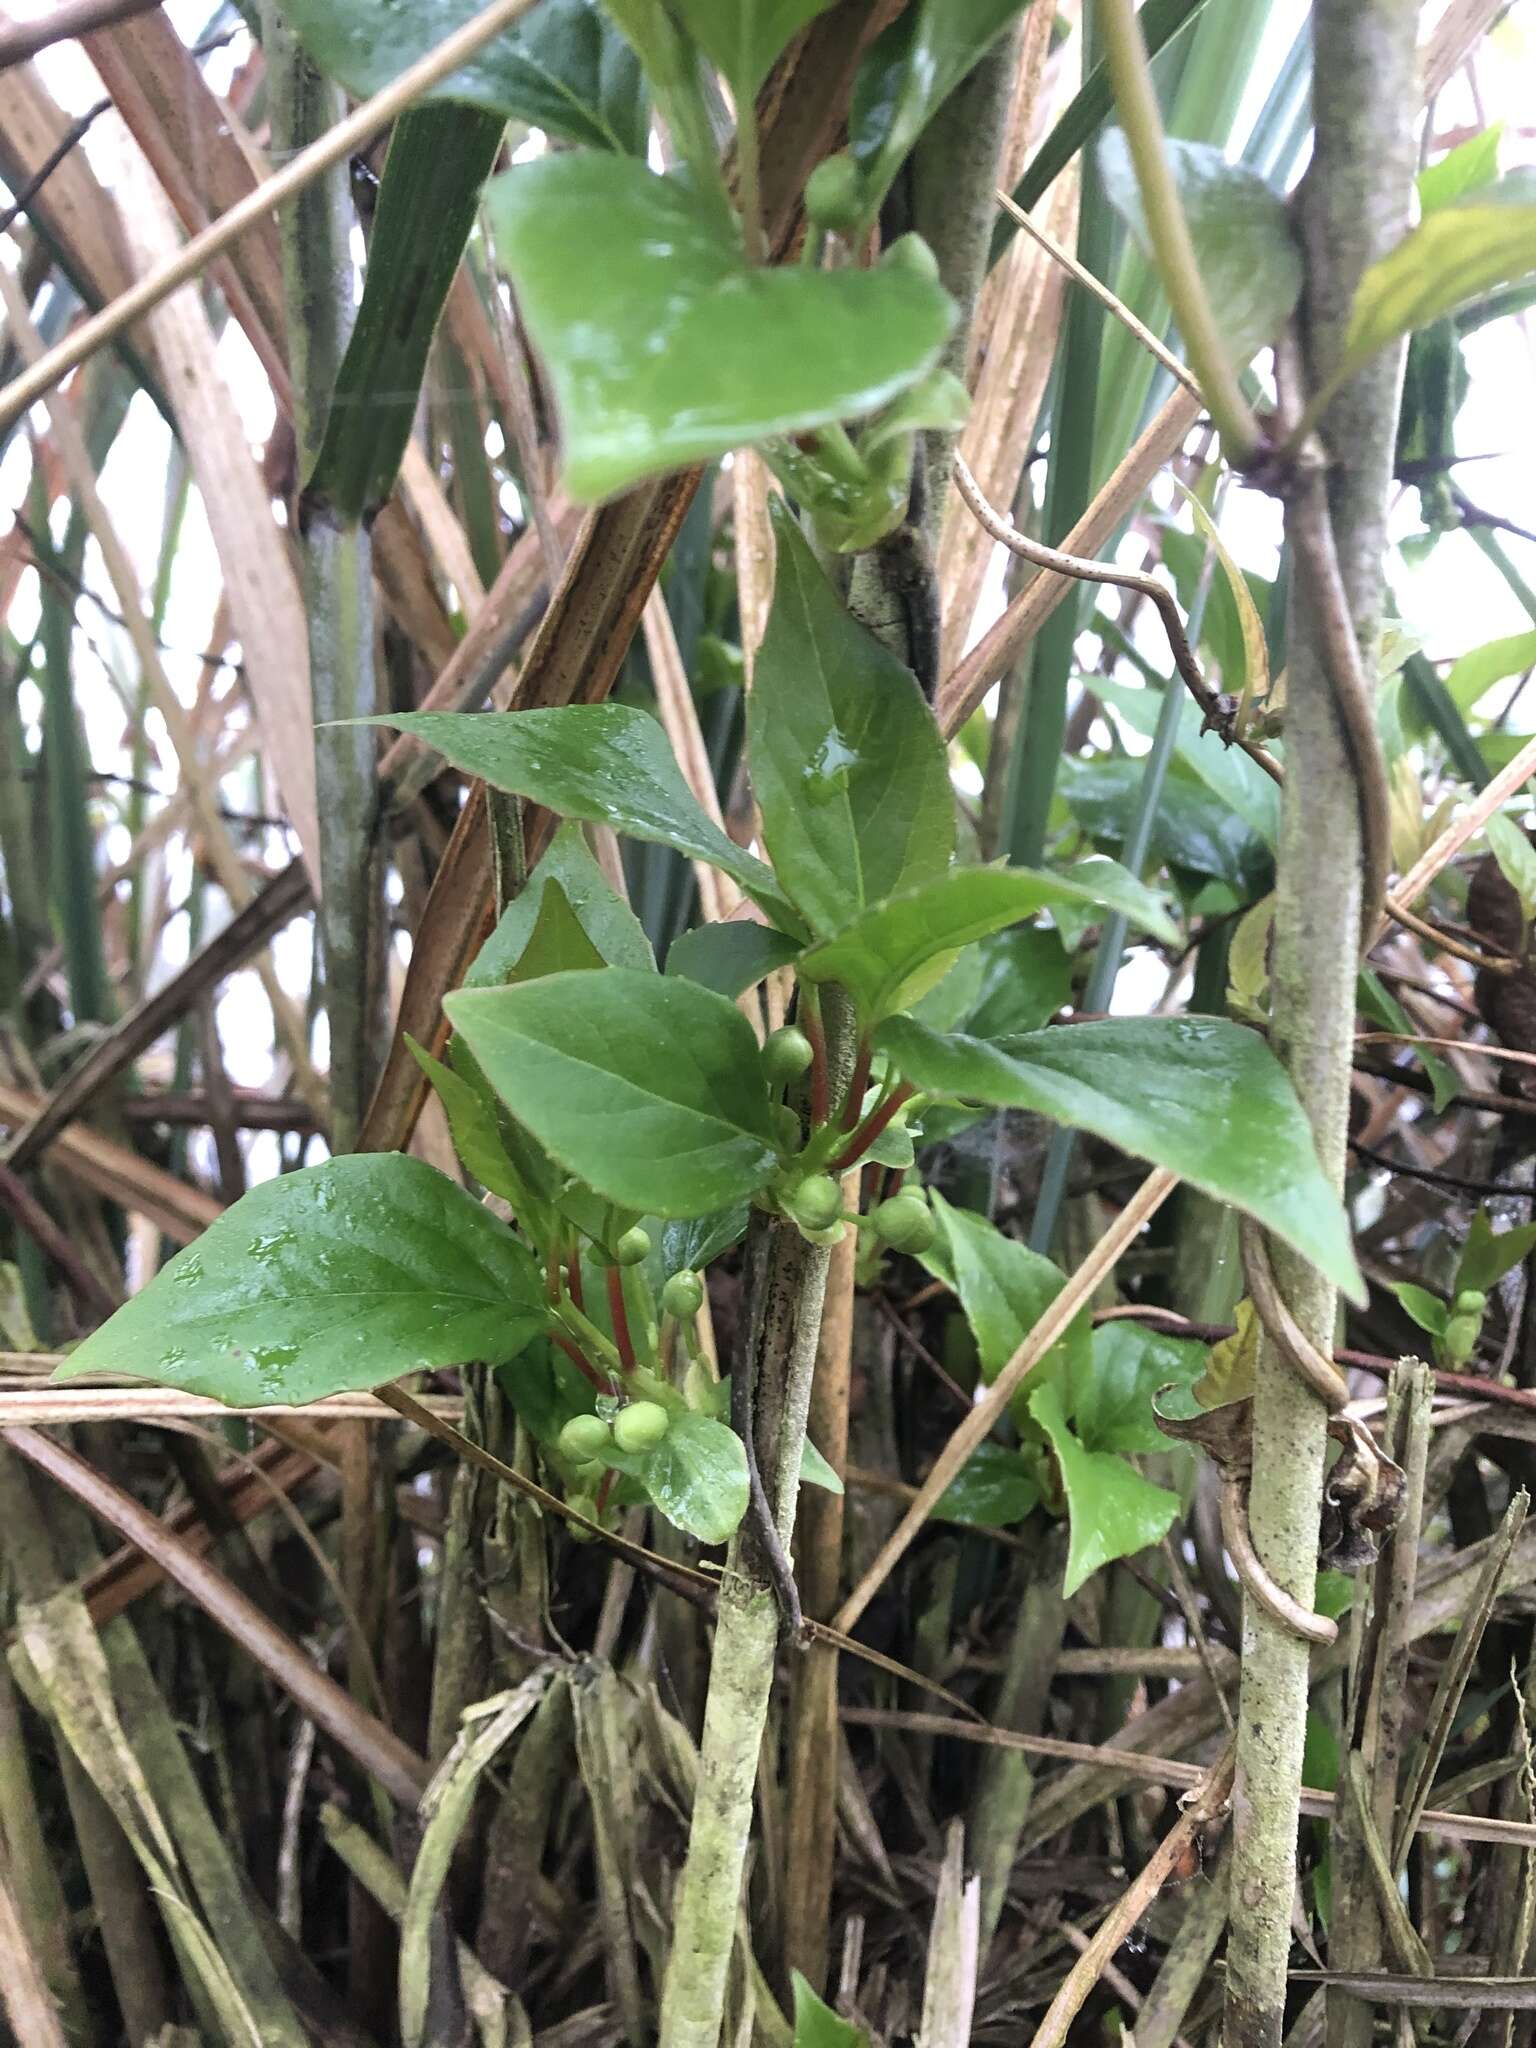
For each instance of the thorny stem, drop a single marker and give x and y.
(1178, 266)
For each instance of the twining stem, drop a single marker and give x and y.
(1354, 207)
(1177, 264)
(788, 1278)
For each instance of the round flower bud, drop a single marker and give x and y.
(786, 1127)
(641, 1426)
(911, 253)
(817, 1202)
(586, 1436)
(834, 195)
(1470, 1302)
(633, 1248)
(786, 1054)
(683, 1296)
(905, 1223)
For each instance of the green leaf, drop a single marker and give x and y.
(1197, 1094)
(730, 958)
(1227, 772)
(1453, 255)
(1195, 829)
(563, 68)
(601, 911)
(1377, 1001)
(599, 247)
(817, 2025)
(328, 1281)
(910, 72)
(1004, 1288)
(879, 956)
(1469, 167)
(605, 764)
(697, 1475)
(996, 1486)
(476, 1133)
(1249, 674)
(1113, 1511)
(847, 763)
(439, 159)
(558, 943)
(743, 37)
(690, 1244)
(1426, 1309)
(1111, 1404)
(1478, 671)
(1026, 977)
(645, 1086)
(1488, 1255)
(1241, 232)
(815, 1471)
(1516, 858)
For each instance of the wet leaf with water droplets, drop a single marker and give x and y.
(333, 1280)
(1200, 1095)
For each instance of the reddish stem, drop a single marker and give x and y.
(604, 1489)
(620, 1315)
(573, 1279)
(857, 1085)
(821, 1094)
(871, 1128)
(582, 1364)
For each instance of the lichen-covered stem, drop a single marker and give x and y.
(1354, 207)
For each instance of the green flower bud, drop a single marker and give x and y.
(833, 1234)
(699, 1389)
(834, 195)
(786, 1054)
(585, 1437)
(633, 1248)
(911, 253)
(786, 1127)
(1470, 1302)
(817, 1202)
(905, 1223)
(683, 1296)
(641, 1426)
(1460, 1339)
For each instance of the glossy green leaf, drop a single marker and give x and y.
(558, 943)
(563, 68)
(1454, 254)
(439, 159)
(880, 954)
(1488, 1254)
(1111, 1404)
(1426, 1309)
(910, 72)
(645, 1086)
(601, 911)
(604, 253)
(995, 1487)
(1248, 257)
(689, 1244)
(327, 1281)
(730, 958)
(1376, 1001)
(697, 1476)
(743, 37)
(847, 763)
(1202, 1096)
(1195, 829)
(605, 764)
(1004, 1288)
(817, 2025)
(1113, 1512)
